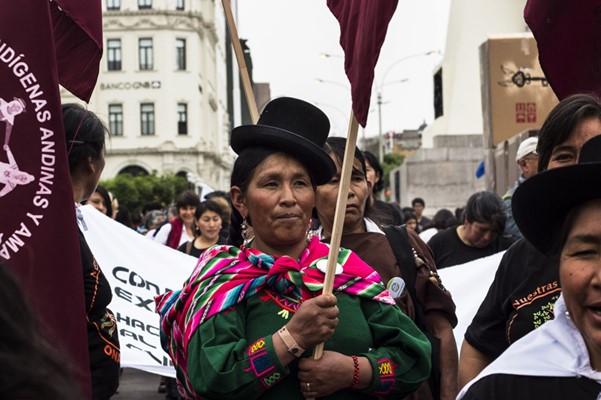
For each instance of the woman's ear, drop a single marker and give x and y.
(238, 201)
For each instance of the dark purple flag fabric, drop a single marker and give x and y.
(363, 26)
(38, 238)
(568, 36)
(78, 42)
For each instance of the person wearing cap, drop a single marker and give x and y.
(562, 359)
(404, 263)
(526, 284)
(527, 161)
(246, 321)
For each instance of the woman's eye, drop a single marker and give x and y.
(301, 183)
(563, 157)
(584, 253)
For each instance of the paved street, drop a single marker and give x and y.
(138, 385)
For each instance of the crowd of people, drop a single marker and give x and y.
(246, 321)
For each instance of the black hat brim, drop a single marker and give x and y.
(541, 203)
(314, 158)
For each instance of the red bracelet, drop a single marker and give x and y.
(355, 372)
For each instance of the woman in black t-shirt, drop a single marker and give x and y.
(85, 136)
(208, 226)
(562, 359)
(526, 285)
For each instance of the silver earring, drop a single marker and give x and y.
(247, 232)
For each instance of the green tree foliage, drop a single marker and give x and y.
(391, 161)
(134, 192)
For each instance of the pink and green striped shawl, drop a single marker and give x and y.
(226, 276)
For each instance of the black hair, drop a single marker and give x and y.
(375, 164)
(487, 208)
(561, 121)
(29, 367)
(459, 214)
(335, 146)
(217, 193)
(443, 219)
(408, 216)
(187, 198)
(208, 206)
(84, 134)
(418, 200)
(124, 217)
(106, 198)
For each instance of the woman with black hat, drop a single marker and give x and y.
(562, 359)
(526, 284)
(243, 321)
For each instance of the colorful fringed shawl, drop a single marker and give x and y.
(226, 276)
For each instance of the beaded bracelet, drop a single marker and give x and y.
(355, 372)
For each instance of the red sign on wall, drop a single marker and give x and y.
(525, 113)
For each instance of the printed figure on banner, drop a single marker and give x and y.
(10, 174)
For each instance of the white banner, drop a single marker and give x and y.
(468, 284)
(137, 269)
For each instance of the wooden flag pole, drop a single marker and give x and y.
(345, 180)
(244, 75)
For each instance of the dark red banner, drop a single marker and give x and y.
(568, 36)
(38, 238)
(363, 26)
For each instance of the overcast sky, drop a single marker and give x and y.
(288, 37)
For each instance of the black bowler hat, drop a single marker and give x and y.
(294, 127)
(541, 204)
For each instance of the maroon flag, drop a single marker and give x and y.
(568, 36)
(363, 26)
(38, 238)
(78, 41)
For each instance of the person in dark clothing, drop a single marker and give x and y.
(419, 205)
(208, 226)
(480, 235)
(526, 284)
(561, 359)
(85, 137)
(30, 367)
(398, 255)
(380, 211)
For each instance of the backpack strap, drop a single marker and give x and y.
(403, 252)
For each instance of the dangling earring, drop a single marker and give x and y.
(247, 232)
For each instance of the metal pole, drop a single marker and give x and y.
(380, 144)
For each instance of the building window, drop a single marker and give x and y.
(113, 4)
(180, 5)
(438, 99)
(116, 119)
(144, 4)
(180, 54)
(182, 119)
(147, 119)
(145, 54)
(113, 55)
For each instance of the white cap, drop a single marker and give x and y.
(526, 147)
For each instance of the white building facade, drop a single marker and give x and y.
(162, 89)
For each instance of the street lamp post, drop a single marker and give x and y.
(379, 95)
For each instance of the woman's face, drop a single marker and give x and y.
(580, 275)
(186, 213)
(371, 175)
(327, 196)
(567, 153)
(411, 224)
(97, 201)
(278, 203)
(209, 224)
